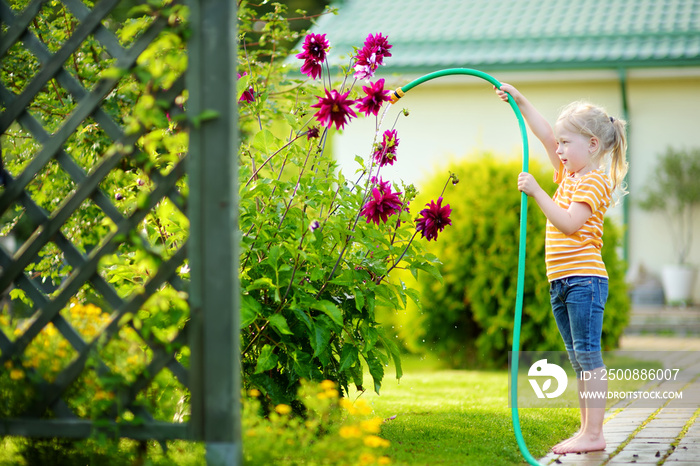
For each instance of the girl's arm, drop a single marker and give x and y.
(567, 221)
(537, 123)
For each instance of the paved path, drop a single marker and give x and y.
(661, 432)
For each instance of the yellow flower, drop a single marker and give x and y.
(384, 460)
(350, 432)
(375, 441)
(347, 406)
(50, 329)
(367, 458)
(328, 394)
(8, 364)
(254, 392)
(283, 409)
(103, 395)
(132, 360)
(328, 385)
(16, 374)
(363, 407)
(372, 426)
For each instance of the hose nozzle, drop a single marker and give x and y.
(396, 95)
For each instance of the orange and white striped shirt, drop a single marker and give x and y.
(578, 254)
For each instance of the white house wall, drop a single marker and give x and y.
(454, 117)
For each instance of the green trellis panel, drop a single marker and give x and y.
(208, 167)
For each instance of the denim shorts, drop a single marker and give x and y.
(578, 304)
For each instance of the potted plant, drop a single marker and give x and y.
(674, 189)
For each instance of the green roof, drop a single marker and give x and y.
(520, 34)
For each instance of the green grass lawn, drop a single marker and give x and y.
(437, 417)
(461, 418)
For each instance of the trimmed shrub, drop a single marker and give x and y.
(467, 320)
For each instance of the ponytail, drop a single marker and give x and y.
(618, 159)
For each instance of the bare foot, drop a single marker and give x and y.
(567, 441)
(581, 443)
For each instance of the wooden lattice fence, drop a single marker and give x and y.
(118, 296)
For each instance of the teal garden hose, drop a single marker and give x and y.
(395, 96)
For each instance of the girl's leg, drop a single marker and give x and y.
(558, 291)
(591, 437)
(584, 418)
(586, 303)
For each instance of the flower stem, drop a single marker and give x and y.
(255, 173)
(398, 261)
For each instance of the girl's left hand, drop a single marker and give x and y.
(528, 184)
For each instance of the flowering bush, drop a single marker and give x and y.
(49, 353)
(334, 430)
(317, 248)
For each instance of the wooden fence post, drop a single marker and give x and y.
(213, 213)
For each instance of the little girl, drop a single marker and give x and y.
(584, 140)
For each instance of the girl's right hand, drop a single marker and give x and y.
(528, 184)
(505, 87)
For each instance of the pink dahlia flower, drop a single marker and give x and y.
(314, 52)
(375, 96)
(334, 108)
(433, 219)
(371, 56)
(382, 204)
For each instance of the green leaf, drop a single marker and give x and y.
(280, 324)
(261, 283)
(304, 317)
(250, 309)
(264, 141)
(369, 335)
(303, 365)
(113, 73)
(393, 350)
(359, 300)
(428, 267)
(321, 336)
(348, 356)
(267, 360)
(386, 296)
(331, 310)
(357, 376)
(376, 370)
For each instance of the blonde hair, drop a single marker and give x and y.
(593, 121)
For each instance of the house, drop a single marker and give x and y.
(639, 59)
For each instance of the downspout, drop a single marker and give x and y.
(622, 72)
